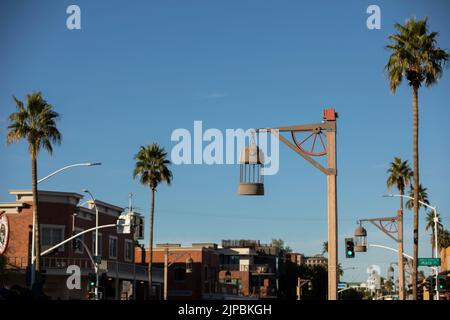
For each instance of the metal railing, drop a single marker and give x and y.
(53, 263)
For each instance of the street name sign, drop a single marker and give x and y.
(429, 262)
(342, 285)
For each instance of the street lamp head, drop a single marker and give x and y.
(390, 195)
(360, 239)
(95, 163)
(85, 190)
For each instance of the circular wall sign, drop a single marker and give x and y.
(4, 232)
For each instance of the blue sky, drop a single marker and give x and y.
(137, 71)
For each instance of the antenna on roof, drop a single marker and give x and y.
(130, 203)
(130, 197)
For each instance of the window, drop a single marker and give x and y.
(113, 247)
(51, 235)
(100, 242)
(180, 274)
(80, 248)
(128, 252)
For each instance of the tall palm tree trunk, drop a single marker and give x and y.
(150, 260)
(401, 267)
(416, 186)
(37, 242)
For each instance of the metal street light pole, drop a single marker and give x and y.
(166, 270)
(33, 232)
(96, 243)
(436, 221)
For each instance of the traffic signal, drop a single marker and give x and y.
(309, 285)
(76, 244)
(103, 281)
(442, 283)
(429, 284)
(92, 280)
(349, 248)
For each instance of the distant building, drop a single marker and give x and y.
(125, 280)
(253, 267)
(445, 270)
(239, 269)
(203, 280)
(296, 258)
(318, 260)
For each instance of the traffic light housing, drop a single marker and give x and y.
(76, 244)
(349, 248)
(441, 283)
(428, 284)
(103, 281)
(92, 280)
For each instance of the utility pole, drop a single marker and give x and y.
(401, 267)
(392, 226)
(332, 216)
(320, 141)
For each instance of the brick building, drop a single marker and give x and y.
(253, 267)
(318, 260)
(125, 279)
(445, 271)
(203, 280)
(295, 258)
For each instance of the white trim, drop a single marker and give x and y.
(128, 241)
(109, 247)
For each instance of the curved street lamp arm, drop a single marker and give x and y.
(405, 196)
(77, 235)
(86, 164)
(395, 250)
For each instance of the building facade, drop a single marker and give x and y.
(253, 267)
(192, 272)
(61, 216)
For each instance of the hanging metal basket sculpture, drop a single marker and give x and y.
(251, 180)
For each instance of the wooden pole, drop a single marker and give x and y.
(332, 216)
(401, 268)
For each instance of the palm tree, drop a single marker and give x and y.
(430, 225)
(152, 169)
(416, 57)
(399, 176)
(443, 238)
(325, 247)
(423, 196)
(35, 122)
